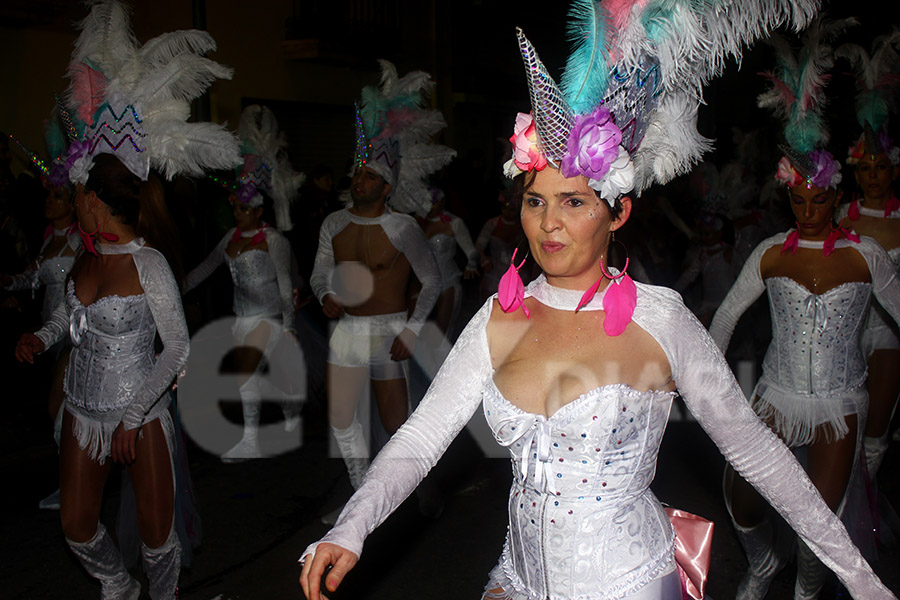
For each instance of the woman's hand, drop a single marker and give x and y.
(123, 442)
(332, 307)
(28, 345)
(327, 555)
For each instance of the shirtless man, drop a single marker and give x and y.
(364, 263)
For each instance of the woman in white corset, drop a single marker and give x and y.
(576, 374)
(120, 294)
(259, 260)
(50, 270)
(876, 162)
(445, 232)
(820, 279)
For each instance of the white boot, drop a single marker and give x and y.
(760, 543)
(101, 559)
(162, 566)
(354, 450)
(811, 574)
(251, 406)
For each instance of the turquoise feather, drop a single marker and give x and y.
(585, 79)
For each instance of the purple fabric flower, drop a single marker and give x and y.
(77, 149)
(246, 193)
(593, 145)
(58, 175)
(826, 169)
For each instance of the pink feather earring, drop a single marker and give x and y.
(619, 301)
(511, 290)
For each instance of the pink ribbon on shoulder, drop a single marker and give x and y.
(836, 234)
(892, 205)
(790, 243)
(693, 548)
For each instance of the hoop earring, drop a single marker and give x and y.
(627, 258)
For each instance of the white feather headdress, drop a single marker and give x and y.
(644, 62)
(135, 99)
(394, 137)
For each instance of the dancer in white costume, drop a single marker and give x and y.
(50, 270)
(367, 255)
(820, 279)
(578, 384)
(122, 292)
(876, 161)
(259, 259)
(499, 238)
(446, 232)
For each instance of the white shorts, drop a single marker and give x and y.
(366, 342)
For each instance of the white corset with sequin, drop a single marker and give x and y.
(587, 548)
(50, 272)
(815, 338)
(583, 522)
(255, 284)
(113, 373)
(113, 351)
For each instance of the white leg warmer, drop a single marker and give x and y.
(811, 574)
(163, 565)
(102, 560)
(355, 451)
(251, 406)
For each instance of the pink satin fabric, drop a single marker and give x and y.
(693, 546)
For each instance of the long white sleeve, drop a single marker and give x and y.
(883, 271)
(713, 396)
(746, 289)
(56, 327)
(485, 235)
(323, 267)
(164, 301)
(26, 280)
(464, 240)
(406, 235)
(280, 254)
(448, 405)
(199, 273)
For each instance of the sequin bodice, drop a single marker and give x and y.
(113, 350)
(607, 537)
(582, 521)
(113, 372)
(443, 247)
(255, 284)
(815, 337)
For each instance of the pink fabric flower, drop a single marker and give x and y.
(786, 173)
(526, 155)
(593, 145)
